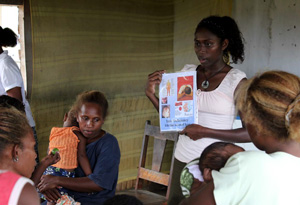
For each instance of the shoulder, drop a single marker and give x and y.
(189, 67)
(22, 191)
(7, 62)
(248, 157)
(29, 195)
(108, 143)
(107, 137)
(236, 73)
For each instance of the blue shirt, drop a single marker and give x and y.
(104, 156)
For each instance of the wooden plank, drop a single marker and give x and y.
(154, 176)
(158, 154)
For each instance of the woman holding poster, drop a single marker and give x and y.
(217, 41)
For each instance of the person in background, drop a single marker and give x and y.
(217, 41)
(269, 106)
(11, 82)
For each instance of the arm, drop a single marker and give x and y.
(81, 154)
(45, 162)
(203, 196)
(153, 80)
(196, 132)
(15, 93)
(29, 196)
(80, 184)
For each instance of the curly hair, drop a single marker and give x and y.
(226, 28)
(215, 156)
(8, 38)
(271, 102)
(92, 96)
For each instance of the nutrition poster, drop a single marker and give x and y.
(177, 101)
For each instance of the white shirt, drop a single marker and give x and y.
(254, 177)
(10, 77)
(216, 110)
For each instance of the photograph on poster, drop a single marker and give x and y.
(177, 99)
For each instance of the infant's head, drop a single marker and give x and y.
(215, 156)
(70, 119)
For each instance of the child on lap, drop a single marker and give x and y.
(71, 145)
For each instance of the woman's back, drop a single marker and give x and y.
(263, 179)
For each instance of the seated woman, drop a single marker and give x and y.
(102, 150)
(17, 158)
(270, 109)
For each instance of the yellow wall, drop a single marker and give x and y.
(109, 46)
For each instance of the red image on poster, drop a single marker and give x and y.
(185, 88)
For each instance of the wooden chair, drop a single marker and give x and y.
(154, 174)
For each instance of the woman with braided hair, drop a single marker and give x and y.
(17, 158)
(217, 41)
(269, 105)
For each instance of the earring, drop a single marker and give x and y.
(16, 159)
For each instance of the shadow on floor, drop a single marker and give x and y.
(153, 194)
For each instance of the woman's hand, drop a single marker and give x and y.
(153, 80)
(80, 136)
(194, 131)
(48, 182)
(51, 159)
(52, 195)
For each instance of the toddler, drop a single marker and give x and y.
(71, 145)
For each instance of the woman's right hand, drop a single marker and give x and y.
(153, 80)
(194, 131)
(51, 159)
(48, 182)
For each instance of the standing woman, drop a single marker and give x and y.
(217, 40)
(17, 159)
(11, 82)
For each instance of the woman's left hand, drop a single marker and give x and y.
(194, 131)
(48, 182)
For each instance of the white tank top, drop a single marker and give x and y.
(216, 110)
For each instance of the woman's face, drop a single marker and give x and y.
(207, 47)
(90, 120)
(26, 156)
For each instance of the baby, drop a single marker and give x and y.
(198, 171)
(166, 111)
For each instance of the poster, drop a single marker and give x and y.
(177, 101)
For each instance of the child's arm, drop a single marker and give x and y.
(41, 167)
(81, 154)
